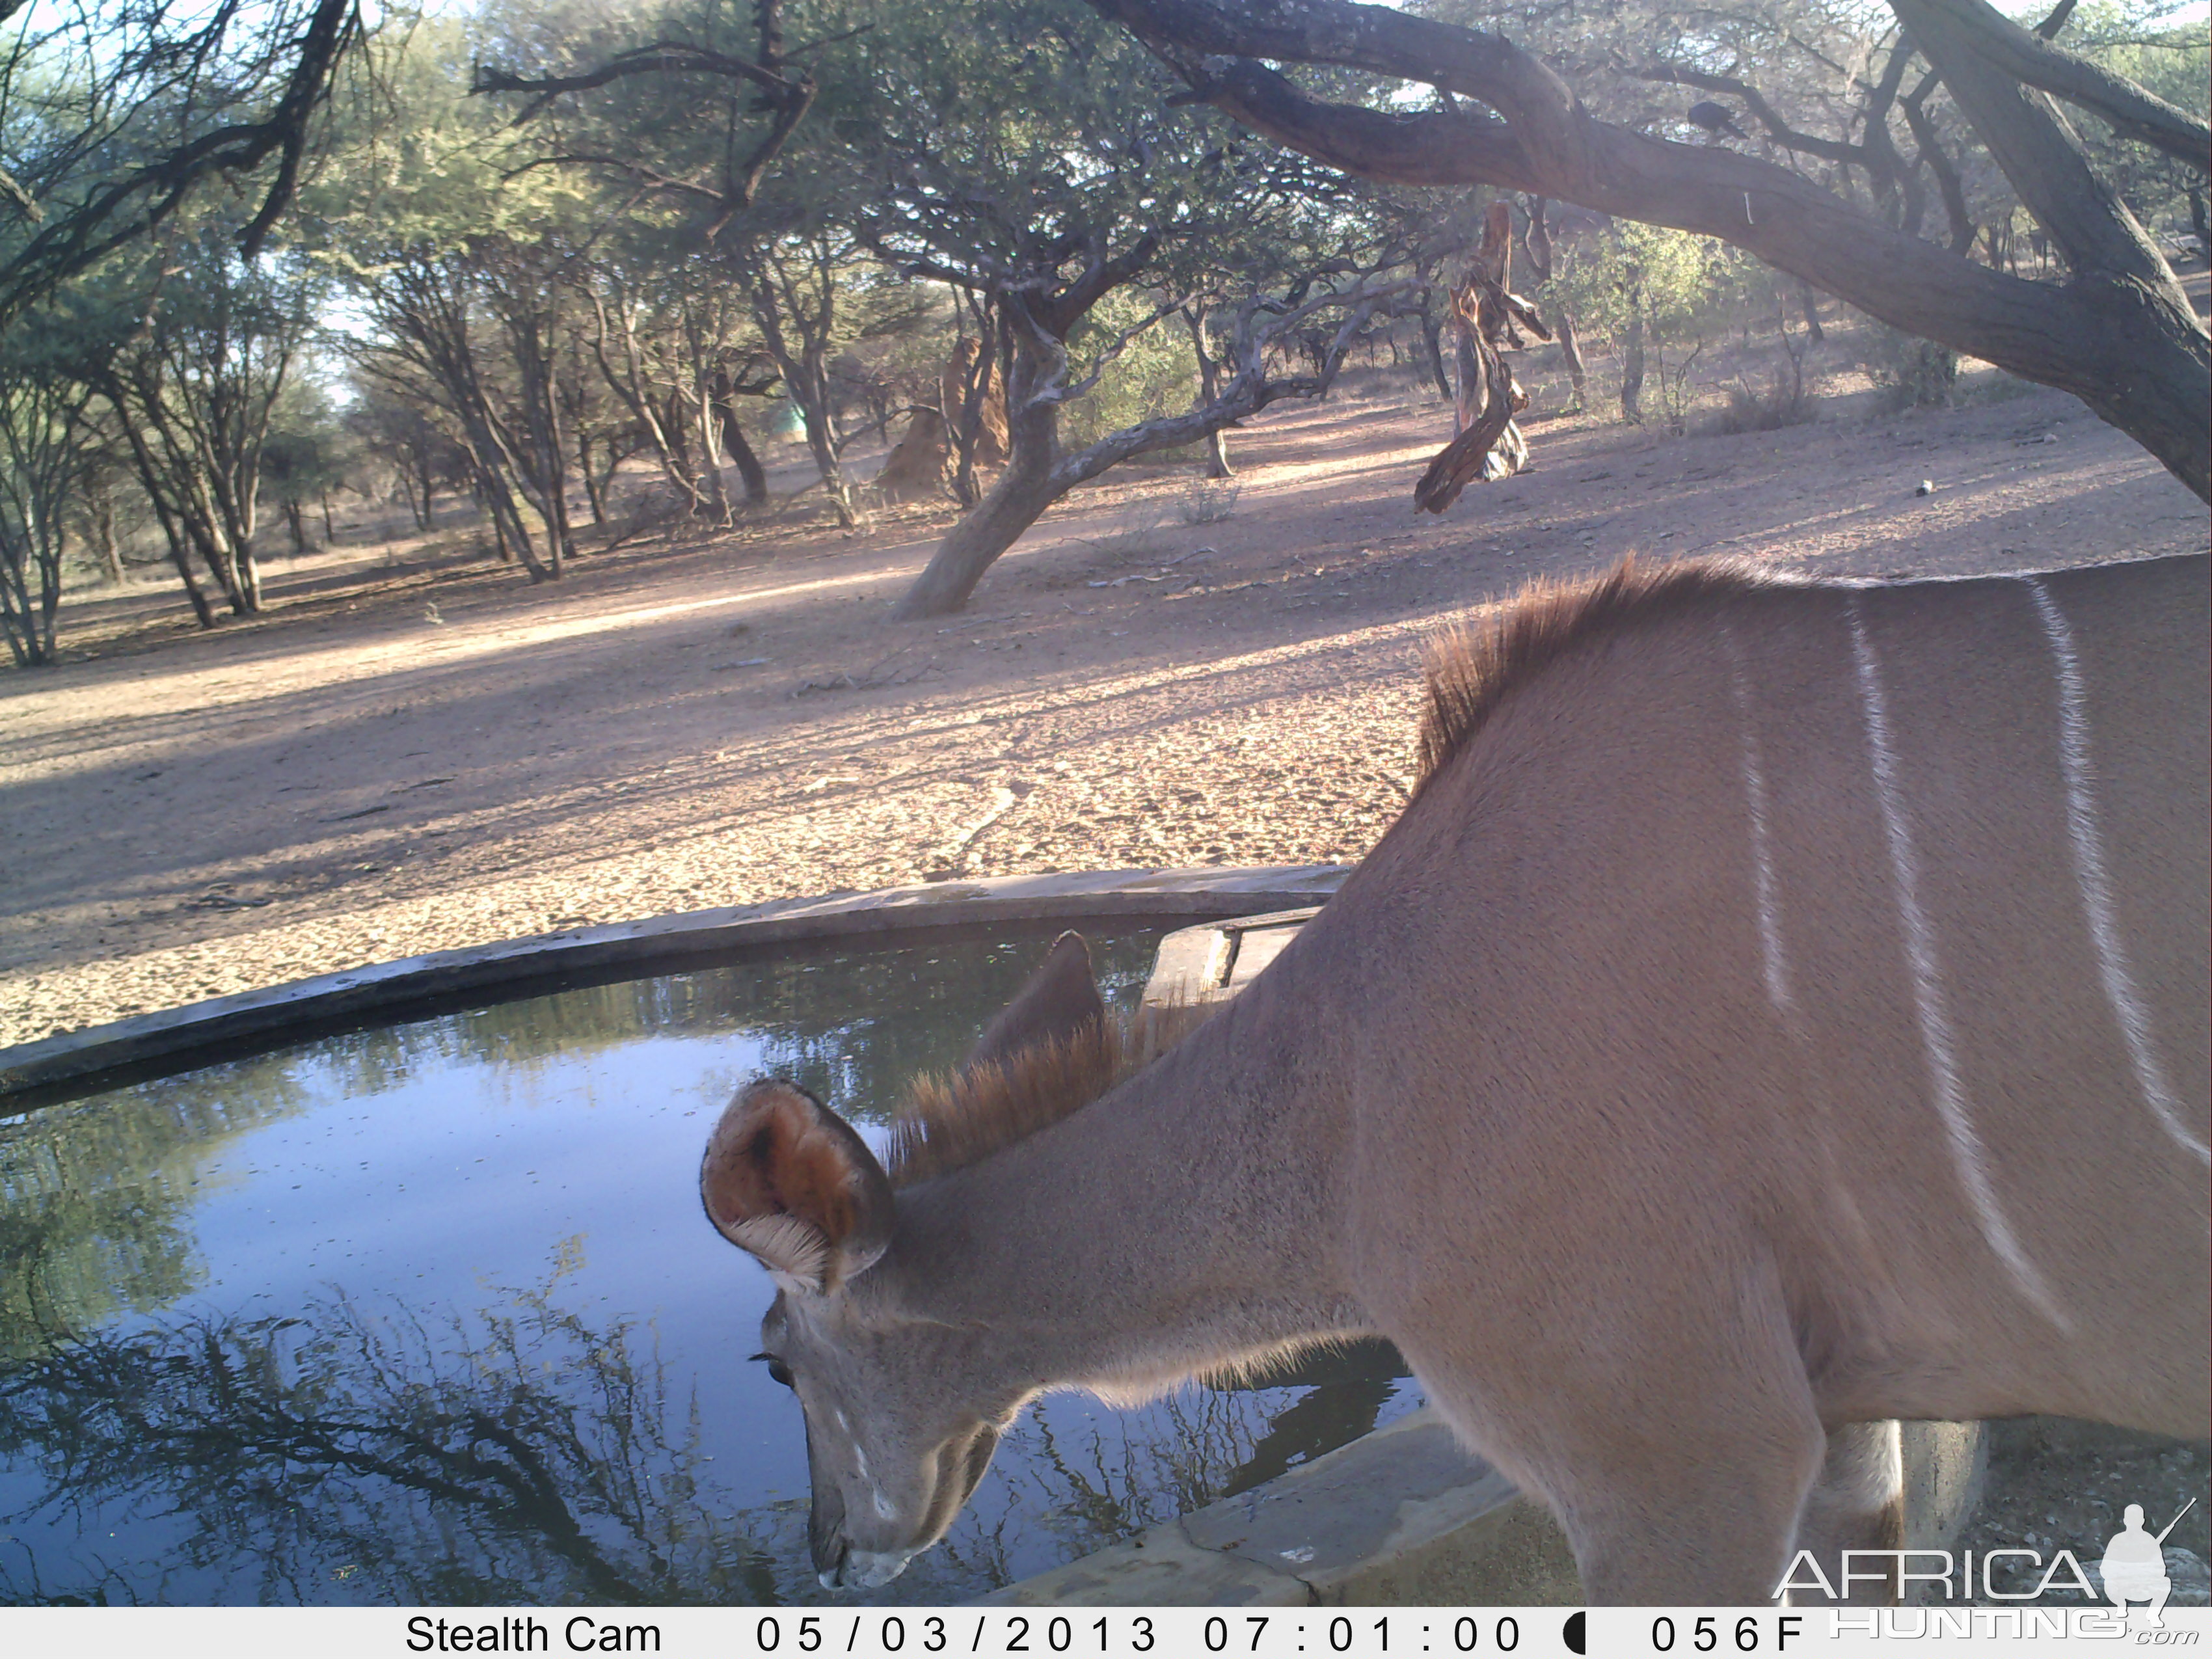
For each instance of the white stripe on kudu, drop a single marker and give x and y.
(1772, 962)
(2096, 885)
(1935, 1031)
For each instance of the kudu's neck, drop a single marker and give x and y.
(1180, 1222)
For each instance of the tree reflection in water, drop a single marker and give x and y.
(353, 1452)
(362, 1448)
(349, 1451)
(95, 1198)
(1093, 1487)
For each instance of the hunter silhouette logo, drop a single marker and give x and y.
(2133, 1571)
(2133, 1567)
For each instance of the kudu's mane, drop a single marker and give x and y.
(951, 1122)
(1472, 665)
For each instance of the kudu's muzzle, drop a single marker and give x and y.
(838, 1565)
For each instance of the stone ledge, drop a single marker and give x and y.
(1402, 1515)
(363, 993)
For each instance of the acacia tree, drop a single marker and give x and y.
(2118, 333)
(303, 459)
(203, 342)
(636, 115)
(1025, 163)
(44, 453)
(430, 320)
(467, 265)
(393, 425)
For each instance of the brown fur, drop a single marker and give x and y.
(1473, 665)
(773, 1158)
(1059, 1001)
(780, 1178)
(948, 1123)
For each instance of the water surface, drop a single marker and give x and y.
(429, 1314)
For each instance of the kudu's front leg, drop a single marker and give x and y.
(1681, 1478)
(1700, 1524)
(1858, 1503)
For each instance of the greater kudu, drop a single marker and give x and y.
(1780, 1009)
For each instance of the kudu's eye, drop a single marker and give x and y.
(777, 1369)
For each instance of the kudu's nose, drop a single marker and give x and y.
(832, 1577)
(825, 1535)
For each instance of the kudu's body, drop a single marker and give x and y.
(1780, 1009)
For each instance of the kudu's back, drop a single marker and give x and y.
(1794, 1001)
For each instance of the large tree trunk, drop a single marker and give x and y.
(972, 392)
(595, 496)
(807, 383)
(1023, 490)
(103, 537)
(1432, 337)
(1811, 301)
(1631, 370)
(749, 469)
(181, 558)
(710, 452)
(249, 579)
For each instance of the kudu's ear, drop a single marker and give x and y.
(1059, 1000)
(790, 1180)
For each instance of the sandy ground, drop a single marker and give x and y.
(449, 756)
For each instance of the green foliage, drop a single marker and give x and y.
(526, 1454)
(1911, 372)
(2172, 61)
(95, 1198)
(1154, 374)
(596, 273)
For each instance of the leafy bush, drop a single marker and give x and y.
(1154, 374)
(1782, 402)
(1912, 373)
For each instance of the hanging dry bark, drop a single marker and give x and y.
(1484, 310)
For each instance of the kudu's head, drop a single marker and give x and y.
(902, 1410)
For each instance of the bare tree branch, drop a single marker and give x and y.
(130, 206)
(2029, 56)
(1953, 188)
(1251, 389)
(1828, 149)
(785, 97)
(661, 57)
